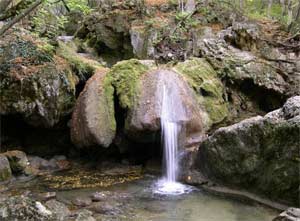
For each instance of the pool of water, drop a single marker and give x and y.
(138, 201)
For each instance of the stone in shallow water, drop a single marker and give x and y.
(82, 201)
(105, 208)
(100, 196)
(84, 215)
(59, 209)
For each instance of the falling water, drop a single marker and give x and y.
(172, 117)
(170, 132)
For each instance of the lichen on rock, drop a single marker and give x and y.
(208, 87)
(35, 84)
(259, 154)
(124, 77)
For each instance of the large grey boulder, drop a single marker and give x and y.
(33, 83)
(24, 208)
(260, 154)
(93, 121)
(145, 115)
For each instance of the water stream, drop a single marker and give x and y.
(172, 117)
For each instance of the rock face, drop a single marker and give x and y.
(291, 214)
(260, 154)
(24, 208)
(144, 117)
(5, 171)
(209, 89)
(34, 83)
(18, 160)
(93, 121)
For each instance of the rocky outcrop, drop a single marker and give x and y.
(18, 161)
(209, 89)
(291, 214)
(93, 120)
(260, 154)
(5, 171)
(24, 208)
(144, 116)
(34, 83)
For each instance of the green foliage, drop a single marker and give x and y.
(79, 5)
(83, 67)
(46, 23)
(50, 19)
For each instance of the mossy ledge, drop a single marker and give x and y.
(208, 87)
(124, 77)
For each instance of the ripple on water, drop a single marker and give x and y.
(165, 187)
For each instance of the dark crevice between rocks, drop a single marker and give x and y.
(267, 100)
(133, 151)
(113, 55)
(16, 134)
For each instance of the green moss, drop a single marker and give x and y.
(109, 96)
(83, 67)
(124, 77)
(205, 82)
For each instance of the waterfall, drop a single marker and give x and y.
(172, 118)
(170, 131)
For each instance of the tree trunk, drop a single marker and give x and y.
(20, 16)
(242, 5)
(190, 6)
(297, 17)
(290, 13)
(283, 7)
(270, 3)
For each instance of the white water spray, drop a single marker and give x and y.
(172, 116)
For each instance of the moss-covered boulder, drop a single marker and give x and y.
(125, 77)
(33, 82)
(208, 87)
(93, 120)
(5, 171)
(18, 161)
(144, 118)
(259, 154)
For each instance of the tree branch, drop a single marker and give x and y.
(20, 16)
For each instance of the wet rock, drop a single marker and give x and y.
(84, 215)
(291, 214)
(24, 208)
(5, 170)
(82, 201)
(104, 208)
(38, 86)
(57, 163)
(60, 210)
(93, 121)
(45, 196)
(100, 196)
(209, 89)
(143, 119)
(260, 154)
(18, 160)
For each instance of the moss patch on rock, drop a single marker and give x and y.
(38, 85)
(205, 82)
(82, 66)
(124, 77)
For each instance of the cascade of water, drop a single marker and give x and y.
(172, 115)
(170, 131)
